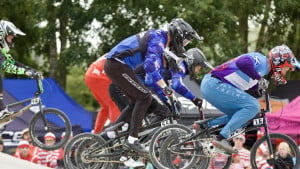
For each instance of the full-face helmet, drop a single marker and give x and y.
(8, 28)
(181, 34)
(281, 56)
(195, 57)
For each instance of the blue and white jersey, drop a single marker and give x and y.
(175, 78)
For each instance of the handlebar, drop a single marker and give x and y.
(175, 106)
(264, 86)
(39, 77)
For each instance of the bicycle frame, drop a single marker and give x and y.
(144, 133)
(257, 122)
(35, 100)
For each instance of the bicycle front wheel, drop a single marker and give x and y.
(76, 154)
(51, 120)
(285, 152)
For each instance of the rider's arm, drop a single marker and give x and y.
(152, 61)
(9, 65)
(246, 65)
(179, 86)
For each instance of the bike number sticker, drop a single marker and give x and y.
(165, 123)
(35, 101)
(258, 121)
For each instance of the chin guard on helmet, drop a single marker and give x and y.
(281, 56)
(181, 34)
(8, 28)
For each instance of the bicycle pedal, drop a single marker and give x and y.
(2, 124)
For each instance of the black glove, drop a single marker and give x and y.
(178, 106)
(263, 84)
(167, 91)
(197, 102)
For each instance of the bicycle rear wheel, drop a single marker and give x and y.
(282, 145)
(51, 120)
(160, 148)
(77, 151)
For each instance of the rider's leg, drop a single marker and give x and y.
(138, 114)
(101, 119)
(236, 103)
(125, 114)
(159, 109)
(98, 85)
(123, 76)
(246, 109)
(118, 96)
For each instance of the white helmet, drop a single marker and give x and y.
(8, 28)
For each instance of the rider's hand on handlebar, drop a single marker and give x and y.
(167, 91)
(197, 102)
(33, 73)
(263, 83)
(30, 73)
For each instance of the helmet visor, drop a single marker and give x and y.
(207, 64)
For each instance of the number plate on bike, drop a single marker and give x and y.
(35, 101)
(165, 123)
(258, 121)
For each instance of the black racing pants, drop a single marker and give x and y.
(158, 108)
(117, 96)
(139, 96)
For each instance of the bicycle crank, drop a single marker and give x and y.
(202, 148)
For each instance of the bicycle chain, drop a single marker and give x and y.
(86, 159)
(209, 150)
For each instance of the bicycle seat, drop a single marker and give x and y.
(115, 126)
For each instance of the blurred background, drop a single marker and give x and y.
(65, 36)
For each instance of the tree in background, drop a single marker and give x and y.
(87, 29)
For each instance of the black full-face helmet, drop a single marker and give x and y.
(195, 57)
(8, 28)
(181, 34)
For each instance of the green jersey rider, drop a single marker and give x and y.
(7, 32)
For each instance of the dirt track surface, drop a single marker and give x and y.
(10, 162)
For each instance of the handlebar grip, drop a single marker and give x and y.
(38, 75)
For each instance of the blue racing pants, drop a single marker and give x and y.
(238, 105)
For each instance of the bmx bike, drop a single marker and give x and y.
(92, 151)
(195, 149)
(43, 121)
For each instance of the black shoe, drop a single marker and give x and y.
(224, 145)
(136, 146)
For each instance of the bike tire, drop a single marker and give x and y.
(84, 147)
(160, 155)
(37, 128)
(74, 149)
(261, 144)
